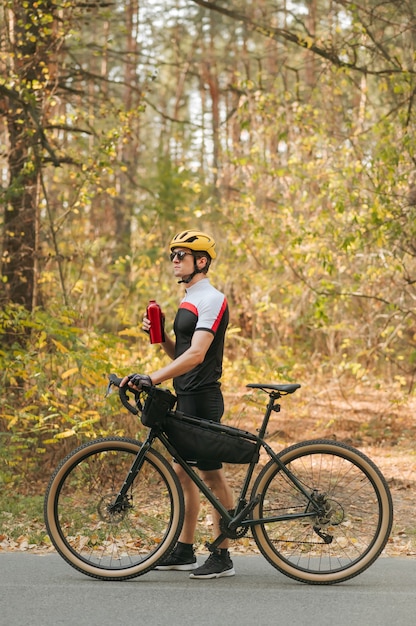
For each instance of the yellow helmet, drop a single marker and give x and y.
(194, 240)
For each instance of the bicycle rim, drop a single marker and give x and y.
(355, 519)
(106, 544)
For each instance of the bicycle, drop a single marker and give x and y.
(320, 511)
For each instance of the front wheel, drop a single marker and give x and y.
(93, 536)
(351, 505)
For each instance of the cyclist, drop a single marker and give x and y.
(197, 354)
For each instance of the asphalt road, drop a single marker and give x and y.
(45, 591)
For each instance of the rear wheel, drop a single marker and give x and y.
(89, 533)
(353, 518)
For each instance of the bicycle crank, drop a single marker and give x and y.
(233, 532)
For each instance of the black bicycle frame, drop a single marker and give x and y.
(236, 517)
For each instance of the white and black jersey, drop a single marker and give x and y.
(203, 308)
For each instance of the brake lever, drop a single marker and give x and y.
(113, 379)
(122, 392)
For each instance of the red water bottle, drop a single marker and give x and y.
(155, 315)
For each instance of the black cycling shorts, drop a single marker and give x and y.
(207, 405)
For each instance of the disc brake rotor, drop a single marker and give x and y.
(110, 513)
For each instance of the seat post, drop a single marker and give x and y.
(271, 406)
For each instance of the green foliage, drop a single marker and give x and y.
(54, 376)
(301, 164)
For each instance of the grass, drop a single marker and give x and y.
(21, 521)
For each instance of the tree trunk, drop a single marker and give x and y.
(19, 242)
(23, 107)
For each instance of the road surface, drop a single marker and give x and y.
(45, 591)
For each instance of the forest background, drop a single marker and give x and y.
(286, 128)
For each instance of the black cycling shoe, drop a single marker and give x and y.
(178, 561)
(216, 566)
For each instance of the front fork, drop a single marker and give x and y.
(122, 499)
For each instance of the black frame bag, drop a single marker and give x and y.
(157, 405)
(202, 440)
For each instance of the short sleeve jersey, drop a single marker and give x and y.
(203, 308)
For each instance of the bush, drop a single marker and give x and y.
(53, 379)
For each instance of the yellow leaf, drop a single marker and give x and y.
(131, 332)
(68, 373)
(88, 378)
(42, 339)
(65, 433)
(60, 346)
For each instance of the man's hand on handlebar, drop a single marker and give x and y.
(137, 381)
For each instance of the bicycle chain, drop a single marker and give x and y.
(236, 533)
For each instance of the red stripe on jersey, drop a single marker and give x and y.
(220, 314)
(190, 307)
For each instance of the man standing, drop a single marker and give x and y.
(196, 368)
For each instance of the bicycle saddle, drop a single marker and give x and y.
(289, 388)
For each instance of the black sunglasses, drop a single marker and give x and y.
(181, 254)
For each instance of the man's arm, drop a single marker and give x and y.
(192, 357)
(169, 346)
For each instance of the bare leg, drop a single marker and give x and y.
(192, 502)
(217, 482)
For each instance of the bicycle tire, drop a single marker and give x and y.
(358, 516)
(113, 545)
